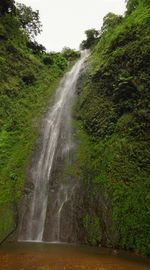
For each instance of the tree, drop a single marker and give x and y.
(131, 5)
(92, 36)
(35, 47)
(7, 6)
(110, 21)
(56, 59)
(70, 54)
(29, 20)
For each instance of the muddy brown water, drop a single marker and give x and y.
(44, 256)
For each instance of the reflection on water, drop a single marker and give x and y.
(31, 256)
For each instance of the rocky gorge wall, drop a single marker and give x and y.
(111, 120)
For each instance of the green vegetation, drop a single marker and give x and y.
(70, 55)
(28, 78)
(112, 123)
(111, 120)
(91, 38)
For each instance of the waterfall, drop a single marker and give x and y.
(44, 197)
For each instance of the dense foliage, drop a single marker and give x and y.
(6, 6)
(28, 77)
(91, 38)
(70, 54)
(112, 122)
(29, 20)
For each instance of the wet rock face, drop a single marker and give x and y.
(61, 219)
(94, 217)
(48, 211)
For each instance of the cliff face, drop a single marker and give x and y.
(111, 119)
(111, 128)
(28, 78)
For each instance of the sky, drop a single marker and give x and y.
(65, 21)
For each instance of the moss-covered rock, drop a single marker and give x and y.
(112, 126)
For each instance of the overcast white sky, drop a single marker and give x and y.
(64, 21)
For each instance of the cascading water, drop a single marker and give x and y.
(45, 197)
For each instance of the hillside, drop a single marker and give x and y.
(111, 124)
(111, 120)
(28, 78)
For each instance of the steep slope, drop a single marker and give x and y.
(112, 125)
(28, 78)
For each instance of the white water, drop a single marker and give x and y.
(56, 126)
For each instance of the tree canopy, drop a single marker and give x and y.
(91, 38)
(131, 5)
(110, 21)
(29, 19)
(6, 6)
(35, 47)
(70, 54)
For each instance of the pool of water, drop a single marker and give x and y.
(46, 256)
